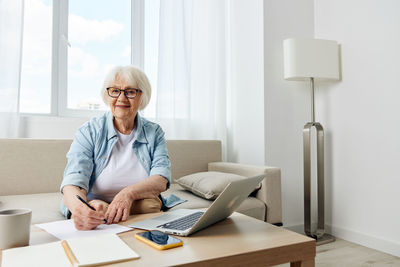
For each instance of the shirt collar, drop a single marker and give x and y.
(140, 133)
(110, 126)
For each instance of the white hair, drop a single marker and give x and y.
(134, 77)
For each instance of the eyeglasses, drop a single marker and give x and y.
(128, 92)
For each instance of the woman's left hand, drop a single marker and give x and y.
(120, 207)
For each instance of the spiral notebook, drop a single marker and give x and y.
(87, 251)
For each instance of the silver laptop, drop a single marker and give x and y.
(184, 222)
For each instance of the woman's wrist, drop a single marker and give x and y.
(130, 191)
(70, 199)
(74, 206)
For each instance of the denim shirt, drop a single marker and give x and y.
(92, 146)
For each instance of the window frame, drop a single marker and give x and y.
(59, 57)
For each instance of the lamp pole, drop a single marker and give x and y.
(312, 99)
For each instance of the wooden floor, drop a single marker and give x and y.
(343, 253)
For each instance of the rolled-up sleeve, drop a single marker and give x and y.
(80, 160)
(160, 164)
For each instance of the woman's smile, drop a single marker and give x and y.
(123, 106)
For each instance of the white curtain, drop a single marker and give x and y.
(193, 62)
(11, 25)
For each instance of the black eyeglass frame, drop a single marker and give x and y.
(123, 90)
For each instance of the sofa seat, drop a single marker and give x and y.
(45, 206)
(251, 206)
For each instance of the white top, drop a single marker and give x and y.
(122, 169)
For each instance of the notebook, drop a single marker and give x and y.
(86, 251)
(185, 222)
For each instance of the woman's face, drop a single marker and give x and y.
(122, 107)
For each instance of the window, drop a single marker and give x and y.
(70, 45)
(99, 35)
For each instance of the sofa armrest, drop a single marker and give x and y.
(270, 191)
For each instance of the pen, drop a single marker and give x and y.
(87, 204)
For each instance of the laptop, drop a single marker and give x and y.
(185, 222)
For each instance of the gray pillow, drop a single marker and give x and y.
(208, 185)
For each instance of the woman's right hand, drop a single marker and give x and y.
(86, 218)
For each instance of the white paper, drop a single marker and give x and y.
(100, 249)
(65, 229)
(46, 255)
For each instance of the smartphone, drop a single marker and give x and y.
(159, 240)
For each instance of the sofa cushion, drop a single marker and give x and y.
(208, 185)
(251, 206)
(45, 207)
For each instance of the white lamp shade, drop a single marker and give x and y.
(306, 58)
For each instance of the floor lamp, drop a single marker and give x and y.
(309, 59)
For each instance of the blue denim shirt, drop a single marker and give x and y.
(92, 146)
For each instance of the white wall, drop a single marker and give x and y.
(246, 101)
(287, 104)
(361, 115)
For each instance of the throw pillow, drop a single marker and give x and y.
(208, 185)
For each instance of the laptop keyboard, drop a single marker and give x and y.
(184, 222)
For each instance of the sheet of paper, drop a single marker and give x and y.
(46, 255)
(101, 249)
(65, 229)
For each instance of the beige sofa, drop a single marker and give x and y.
(31, 172)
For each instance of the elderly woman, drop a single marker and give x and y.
(117, 162)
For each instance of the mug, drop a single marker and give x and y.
(15, 226)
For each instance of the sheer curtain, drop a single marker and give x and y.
(192, 73)
(11, 23)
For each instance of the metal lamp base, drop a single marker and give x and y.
(319, 234)
(325, 239)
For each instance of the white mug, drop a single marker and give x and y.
(15, 226)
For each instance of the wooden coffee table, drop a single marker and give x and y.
(237, 241)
